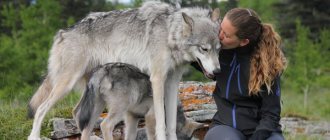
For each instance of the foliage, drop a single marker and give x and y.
(78, 9)
(308, 60)
(263, 7)
(25, 49)
(304, 61)
(137, 3)
(308, 68)
(192, 74)
(313, 14)
(324, 44)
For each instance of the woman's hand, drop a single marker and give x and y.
(260, 135)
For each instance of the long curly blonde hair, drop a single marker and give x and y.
(268, 60)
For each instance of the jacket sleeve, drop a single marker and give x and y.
(271, 109)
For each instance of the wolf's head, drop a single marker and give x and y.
(200, 35)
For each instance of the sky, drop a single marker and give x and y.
(124, 1)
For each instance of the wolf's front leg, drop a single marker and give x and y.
(171, 100)
(158, 82)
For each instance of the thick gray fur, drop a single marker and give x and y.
(127, 93)
(156, 38)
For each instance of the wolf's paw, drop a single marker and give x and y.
(172, 137)
(161, 136)
(34, 138)
(95, 138)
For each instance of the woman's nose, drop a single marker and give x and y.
(221, 35)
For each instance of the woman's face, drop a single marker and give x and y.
(227, 35)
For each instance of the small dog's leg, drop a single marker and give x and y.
(86, 132)
(131, 123)
(98, 108)
(109, 123)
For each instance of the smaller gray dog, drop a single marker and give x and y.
(128, 95)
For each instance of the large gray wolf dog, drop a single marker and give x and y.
(127, 93)
(157, 38)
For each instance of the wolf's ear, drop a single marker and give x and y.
(215, 17)
(187, 25)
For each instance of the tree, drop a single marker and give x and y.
(15, 6)
(313, 14)
(24, 51)
(28, 34)
(324, 70)
(264, 8)
(304, 63)
(78, 9)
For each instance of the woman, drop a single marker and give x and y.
(247, 92)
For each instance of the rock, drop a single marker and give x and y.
(294, 125)
(201, 115)
(198, 104)
(63, 128)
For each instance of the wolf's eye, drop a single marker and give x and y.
(201, 49)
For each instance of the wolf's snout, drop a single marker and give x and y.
(217, 71)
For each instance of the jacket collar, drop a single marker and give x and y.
(246, 50)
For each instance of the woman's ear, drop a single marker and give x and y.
(244, 42)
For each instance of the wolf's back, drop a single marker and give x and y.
(103, 22)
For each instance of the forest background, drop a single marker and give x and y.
(27, 28)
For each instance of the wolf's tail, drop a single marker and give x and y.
(85, 108)
(39, 97)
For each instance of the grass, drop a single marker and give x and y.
(302, 137)
(15, 125)
(318, 107)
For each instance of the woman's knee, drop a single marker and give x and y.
(223, 132)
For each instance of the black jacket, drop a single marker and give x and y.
(235, 107)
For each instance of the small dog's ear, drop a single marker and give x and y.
(187, 24)
(215, 15)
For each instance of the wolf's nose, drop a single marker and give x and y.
(217, 71)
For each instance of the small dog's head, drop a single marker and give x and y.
(186, 130)
(201, 36)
